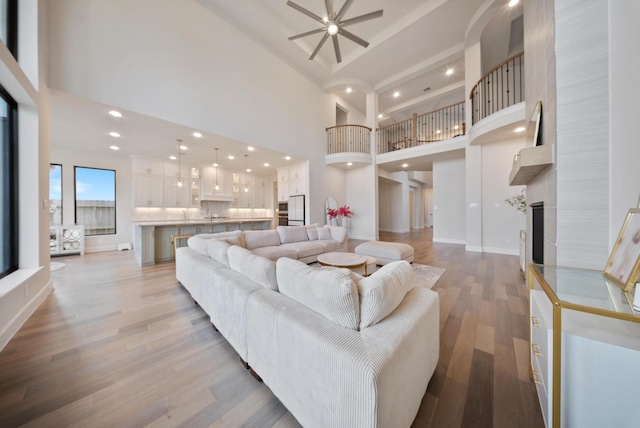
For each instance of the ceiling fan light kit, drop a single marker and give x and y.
(333, 24)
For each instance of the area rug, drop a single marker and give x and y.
(427, 276)
(56, 266)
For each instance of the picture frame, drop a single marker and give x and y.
(623, 266)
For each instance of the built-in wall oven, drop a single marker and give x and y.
(283, 213)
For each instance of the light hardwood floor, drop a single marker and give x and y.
(120, 345)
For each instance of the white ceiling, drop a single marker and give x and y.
(411, 47)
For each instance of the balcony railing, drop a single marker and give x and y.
(348, 139)
(438, 125)
(501, 87)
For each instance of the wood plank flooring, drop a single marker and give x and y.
(120, 345)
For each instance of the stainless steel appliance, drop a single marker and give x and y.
(283, 213)
(296, 210)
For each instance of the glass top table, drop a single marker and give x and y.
(586, 290)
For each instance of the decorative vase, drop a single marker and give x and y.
(345, 222)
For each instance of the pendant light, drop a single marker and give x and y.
(217, 186)
(179, 182)
(246, 189)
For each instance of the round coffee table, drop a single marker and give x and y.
(345, 260)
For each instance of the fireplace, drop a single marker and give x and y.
(537, 232)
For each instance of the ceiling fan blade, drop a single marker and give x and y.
(343, 9)
(361, 18)
(305, 11)
(308, 33)
(329, 5)
(317, 49)
(336, 48)
(353, 37)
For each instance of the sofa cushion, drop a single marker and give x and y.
(275, 252)
(260, 238)
(217, 250)
(257, 268)
(329, 245)
(330, 292)
(338, 233)
(324, 233)
(199, 242)
(305, 249)
(383, 291)
(292, 234)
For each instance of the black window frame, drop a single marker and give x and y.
(12, 197)
(115, 199)
(12, 27)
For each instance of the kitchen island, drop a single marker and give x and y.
(152, 239)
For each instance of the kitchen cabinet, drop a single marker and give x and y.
(184, 196)
(143, 166)
(292, 181)
(585, 348)
(148, 191)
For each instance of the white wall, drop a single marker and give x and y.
(22, 291)
(501, 223)
(122, 165)
(220, 81)
(449, 219)
(624, 112)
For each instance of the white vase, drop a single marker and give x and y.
(345, 222)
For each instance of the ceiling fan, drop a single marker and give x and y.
(333, 24)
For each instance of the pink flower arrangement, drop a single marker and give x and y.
(343, 211)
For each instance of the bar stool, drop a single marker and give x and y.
(174, 243)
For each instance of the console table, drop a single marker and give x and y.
(585, 348)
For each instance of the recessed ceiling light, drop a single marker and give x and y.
(172, 157)
(380, 116)
(184, 148)
(248, 169)
(512, 3)
(438, 131)
(520, 129)
(266, 164)
(114, 147)
(349, 90)
(404, 165)
(349, 163)
(114, 134)
(396, 94)
(449, 72)
(325, 19)
(456, 127)
(230, 157)
(197, 134)
(287, 157)
(250, 148)
(215, 165)
(115, 113)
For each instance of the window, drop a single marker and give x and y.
(95, 196)
(8, 24)
(8, 184)
(55, 194)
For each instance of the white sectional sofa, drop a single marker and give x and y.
(337, 349)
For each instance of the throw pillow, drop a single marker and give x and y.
(312, 234)
(383, 291)
(324, 233)
(330, 292)
(258, 269)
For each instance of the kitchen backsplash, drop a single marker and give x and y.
(208, 209)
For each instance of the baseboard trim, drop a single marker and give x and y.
(21, 317)
(505, 251)
(473, 249)
(449, 241)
